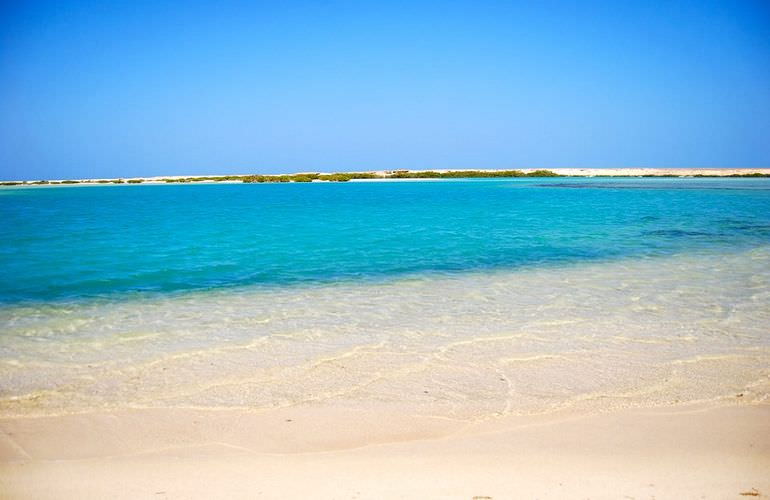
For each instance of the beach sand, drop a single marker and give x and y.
(680, 452)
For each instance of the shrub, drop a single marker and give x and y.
(253, 178)
(466, 174)
(543, 173)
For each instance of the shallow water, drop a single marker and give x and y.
(485, 307)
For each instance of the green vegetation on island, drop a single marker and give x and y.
(398, 174)
(470, 174)
(310, 177)
(754, 174)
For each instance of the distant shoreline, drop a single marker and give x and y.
(408, 174)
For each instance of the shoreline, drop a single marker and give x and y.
(529, 362)
(718, 451)
(392, 175)
(638, 377)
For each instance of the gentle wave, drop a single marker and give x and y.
(636, 332)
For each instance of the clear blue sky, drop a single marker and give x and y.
(103, 89)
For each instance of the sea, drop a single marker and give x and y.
(465, 299)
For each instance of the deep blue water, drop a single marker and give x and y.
(96, 241)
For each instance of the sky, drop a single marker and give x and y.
(140, 88)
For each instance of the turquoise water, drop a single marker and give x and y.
(108, 241)
(462, 299)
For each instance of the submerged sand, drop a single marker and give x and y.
(591, 338)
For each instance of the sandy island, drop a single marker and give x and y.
(385, 175)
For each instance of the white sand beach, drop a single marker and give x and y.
(688, 452)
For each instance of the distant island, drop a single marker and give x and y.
(413, 174)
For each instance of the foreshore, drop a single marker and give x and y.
(643, 372)
(575, 402)
(400, 175)
(677, 452)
